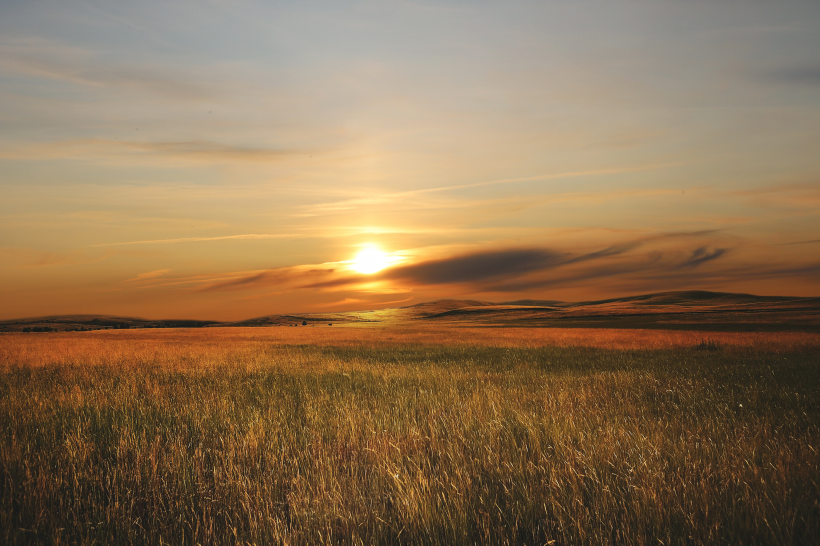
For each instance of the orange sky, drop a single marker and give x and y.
(229, 159)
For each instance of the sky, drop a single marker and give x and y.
(228, 159)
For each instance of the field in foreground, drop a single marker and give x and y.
(456, 436)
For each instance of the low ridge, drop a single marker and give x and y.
(693, 309)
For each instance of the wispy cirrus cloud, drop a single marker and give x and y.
(270, 277)
(605, 253)
(803, 242)
(639, 264)
(30, 257)
(54, 60)
(801, 195)
(148, 275)
(702, 255)
(353, 203)
(202, 150)
(200, 239)
(191, 150)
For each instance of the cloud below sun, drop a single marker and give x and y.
(660, 262)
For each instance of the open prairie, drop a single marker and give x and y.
(422, 434)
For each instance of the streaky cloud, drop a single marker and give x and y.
(55, 60)
(701, 256)
(495, 266)
(639, 264)
(199, 239)
(190, 150)
(802, 242)
(204, 149)
(34, 258)
(478, 267)
(605, 253)
(148, 275)
(266, 278)
(347, 204)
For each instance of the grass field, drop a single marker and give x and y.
(416, 436)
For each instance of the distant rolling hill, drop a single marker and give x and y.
(670, 310)
(689, 310)
(62, 323)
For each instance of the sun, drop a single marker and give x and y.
(370, 260)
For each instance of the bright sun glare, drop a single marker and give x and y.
(369, 260)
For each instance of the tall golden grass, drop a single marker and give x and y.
(389, 436)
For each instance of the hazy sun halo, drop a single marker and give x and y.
(370, 260)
